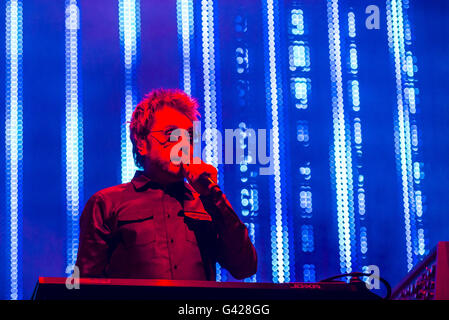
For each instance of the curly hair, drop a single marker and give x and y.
(142, 119)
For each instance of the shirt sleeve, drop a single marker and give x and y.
(236, 253)
(94, 234)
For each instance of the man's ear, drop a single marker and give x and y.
(142, 147)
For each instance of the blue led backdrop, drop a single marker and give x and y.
(355, 93)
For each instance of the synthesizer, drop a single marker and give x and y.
(49, 288)
(429, 280)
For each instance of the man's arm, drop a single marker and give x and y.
(235, 253)
(94, 234)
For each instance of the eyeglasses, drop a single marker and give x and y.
(172, 135)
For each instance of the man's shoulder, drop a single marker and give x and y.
(112, 192)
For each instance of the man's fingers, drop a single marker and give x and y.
(198, 168)
(188, 172)
(184, 169)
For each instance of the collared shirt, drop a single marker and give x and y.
(144, 230)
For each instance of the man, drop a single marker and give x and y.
(160, 226)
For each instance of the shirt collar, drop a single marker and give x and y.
(141, 182)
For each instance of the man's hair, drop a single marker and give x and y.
(142, 119)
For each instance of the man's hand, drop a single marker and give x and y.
(197, 173)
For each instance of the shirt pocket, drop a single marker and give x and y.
(137, 229)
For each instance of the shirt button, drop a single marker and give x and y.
(176, 267)
(168, 216)
(171, 240)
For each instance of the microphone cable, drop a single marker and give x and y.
(361, 274)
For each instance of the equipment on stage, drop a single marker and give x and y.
(128, 289)
(429, 280)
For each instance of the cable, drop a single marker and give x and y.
(361, 274)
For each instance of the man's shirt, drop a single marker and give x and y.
(143, 230)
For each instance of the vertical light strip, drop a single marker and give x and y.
(356, 121)
(210, 93)
(406, 140)
(14, 143)
(300, 85)
(248, 182)
(184, 12)
(73, 132)
(129, 24)
(341, 153)
(252, 236)
(209, 78)
(279, 227)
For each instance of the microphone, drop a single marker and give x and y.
(210, 180)
(206, 181)
(210, 183)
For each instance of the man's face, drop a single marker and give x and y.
(158, 145)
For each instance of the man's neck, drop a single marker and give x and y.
(161, 177)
